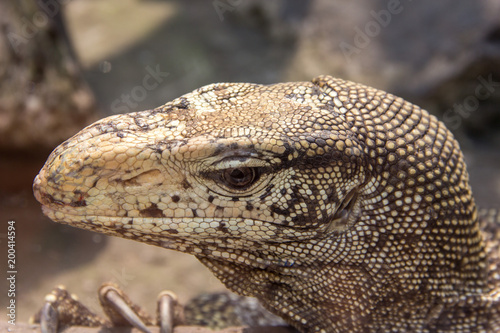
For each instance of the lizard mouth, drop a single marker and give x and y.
(171, 229)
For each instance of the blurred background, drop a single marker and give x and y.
(64, 64)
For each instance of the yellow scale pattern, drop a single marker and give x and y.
(339, 206)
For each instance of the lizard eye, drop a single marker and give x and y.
(239, 178)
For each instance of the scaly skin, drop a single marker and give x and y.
(340, 206)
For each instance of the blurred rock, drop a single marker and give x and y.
(43, 99)
(433, 53)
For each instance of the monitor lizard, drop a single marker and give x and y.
(339, 206)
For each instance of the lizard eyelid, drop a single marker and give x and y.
(232, 162)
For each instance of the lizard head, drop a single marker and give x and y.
(236, 163)
(299, 186)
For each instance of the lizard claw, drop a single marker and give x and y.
(121, 310)
(49, 318)
(167, 303)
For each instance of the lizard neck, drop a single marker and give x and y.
(350, 299)
(338, 295)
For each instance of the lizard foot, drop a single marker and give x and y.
(61, 309)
